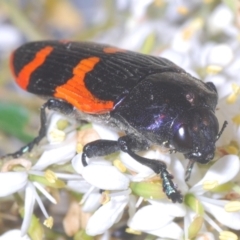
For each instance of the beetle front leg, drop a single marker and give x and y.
(51, 104)
(158, 167)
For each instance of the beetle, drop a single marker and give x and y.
(152, 100)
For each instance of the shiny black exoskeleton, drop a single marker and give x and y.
(155, 101)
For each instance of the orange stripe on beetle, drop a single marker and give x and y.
(113, 50)
(75, 92)
(24, 75)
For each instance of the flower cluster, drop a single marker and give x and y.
(116, 188)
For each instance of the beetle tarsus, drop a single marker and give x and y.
(52, 104)
(169, 187)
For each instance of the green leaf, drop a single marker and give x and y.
(13, 119)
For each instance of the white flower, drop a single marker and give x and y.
(107, 177)
(101, 174)
(14, 234)
(222, 171)
(108, 214)
(157, 219)
(220, 19)
(13, 182)
(62, 143)
(199, 202)
(143, 172)
(17, 182)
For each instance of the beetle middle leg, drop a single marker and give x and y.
(127, 144)
(52, 104)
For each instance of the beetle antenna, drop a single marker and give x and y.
(221, 131)
(189, 169)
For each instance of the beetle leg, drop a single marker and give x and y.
(51, 104)
(99, 148)
(102, 147)
(125, 144)
(221, 131)
(158, 167)
(189, 170)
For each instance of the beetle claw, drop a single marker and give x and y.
(170, 188)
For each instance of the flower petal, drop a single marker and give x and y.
(12, 182)
(178, 172)
(171, 230)
(78, 166)
(14, 234)
(106, 215)
(148, 218)
(28, 208)
(105, 177)
(205, 235)
(216, 208)
(173, 209)
(92, 203)
(135, 166)
(78, 186)
(59, 155)
(223, 170)
(105, 133)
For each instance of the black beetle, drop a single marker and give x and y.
(151, 99)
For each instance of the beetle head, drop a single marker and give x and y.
(195, 133)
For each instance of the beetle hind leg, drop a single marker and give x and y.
(126, 144)
(158, 167)
(52, 104)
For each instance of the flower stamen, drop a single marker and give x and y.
(79, 148)
(210, 184)
(232, 98)
(46, 194)
(57, 135)
(233, 206)
(105, 197)
(50, 176)
(132, 231)
(48, 222)
(236, 119)
(213, 69)
(227, 235)
(62, 124)
(119, 165)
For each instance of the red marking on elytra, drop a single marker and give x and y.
(75, 92)
(24, 75)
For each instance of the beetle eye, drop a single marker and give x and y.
(183, 139)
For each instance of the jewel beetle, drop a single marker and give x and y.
(152, 100)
